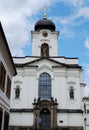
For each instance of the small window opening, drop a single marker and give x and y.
(71, 93)
(17, 92)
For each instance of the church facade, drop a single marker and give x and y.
(48, 89)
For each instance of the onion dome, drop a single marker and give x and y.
(44, 24)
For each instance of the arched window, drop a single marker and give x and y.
(71, 93)
(44, 50)
(17, 92)
(44, 88)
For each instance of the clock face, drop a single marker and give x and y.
(45, 34)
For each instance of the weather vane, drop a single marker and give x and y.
(45, 15)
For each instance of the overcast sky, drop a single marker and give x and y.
(71, 18)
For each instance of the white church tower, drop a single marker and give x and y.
(44, 38)
(48, 89)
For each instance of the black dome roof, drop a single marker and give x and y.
(44, 24)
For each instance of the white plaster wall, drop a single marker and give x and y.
(59, 88)
(87, 122)
(73, 79)
(21, 119)
(62, 79)
(64, 60)
(76, 119)
(62, 117)
(28, 79)
(72, 119)
(51, 40)
(27, 91)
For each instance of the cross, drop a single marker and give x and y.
(44, 9)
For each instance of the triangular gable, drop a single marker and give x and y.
(53, 63)
(35, 63)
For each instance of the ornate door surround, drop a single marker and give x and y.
(47, 109)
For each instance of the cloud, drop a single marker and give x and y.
(86, 43)
(17, 23)
(16, 30)
(80, 13)
(73, 3)
(86, 90)
(77, 17)
(86, 78)
(83, 12)
(86, 70)
(66, 33)
(17, 17)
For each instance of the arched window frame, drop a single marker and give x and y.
(71, 92)
(45, 50)
(45, 86)
(17, 92)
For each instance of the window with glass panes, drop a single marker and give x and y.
(44, 88)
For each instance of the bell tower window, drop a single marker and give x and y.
(45, 50)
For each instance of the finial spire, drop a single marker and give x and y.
(45, 15)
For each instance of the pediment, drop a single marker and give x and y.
(45, 62)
